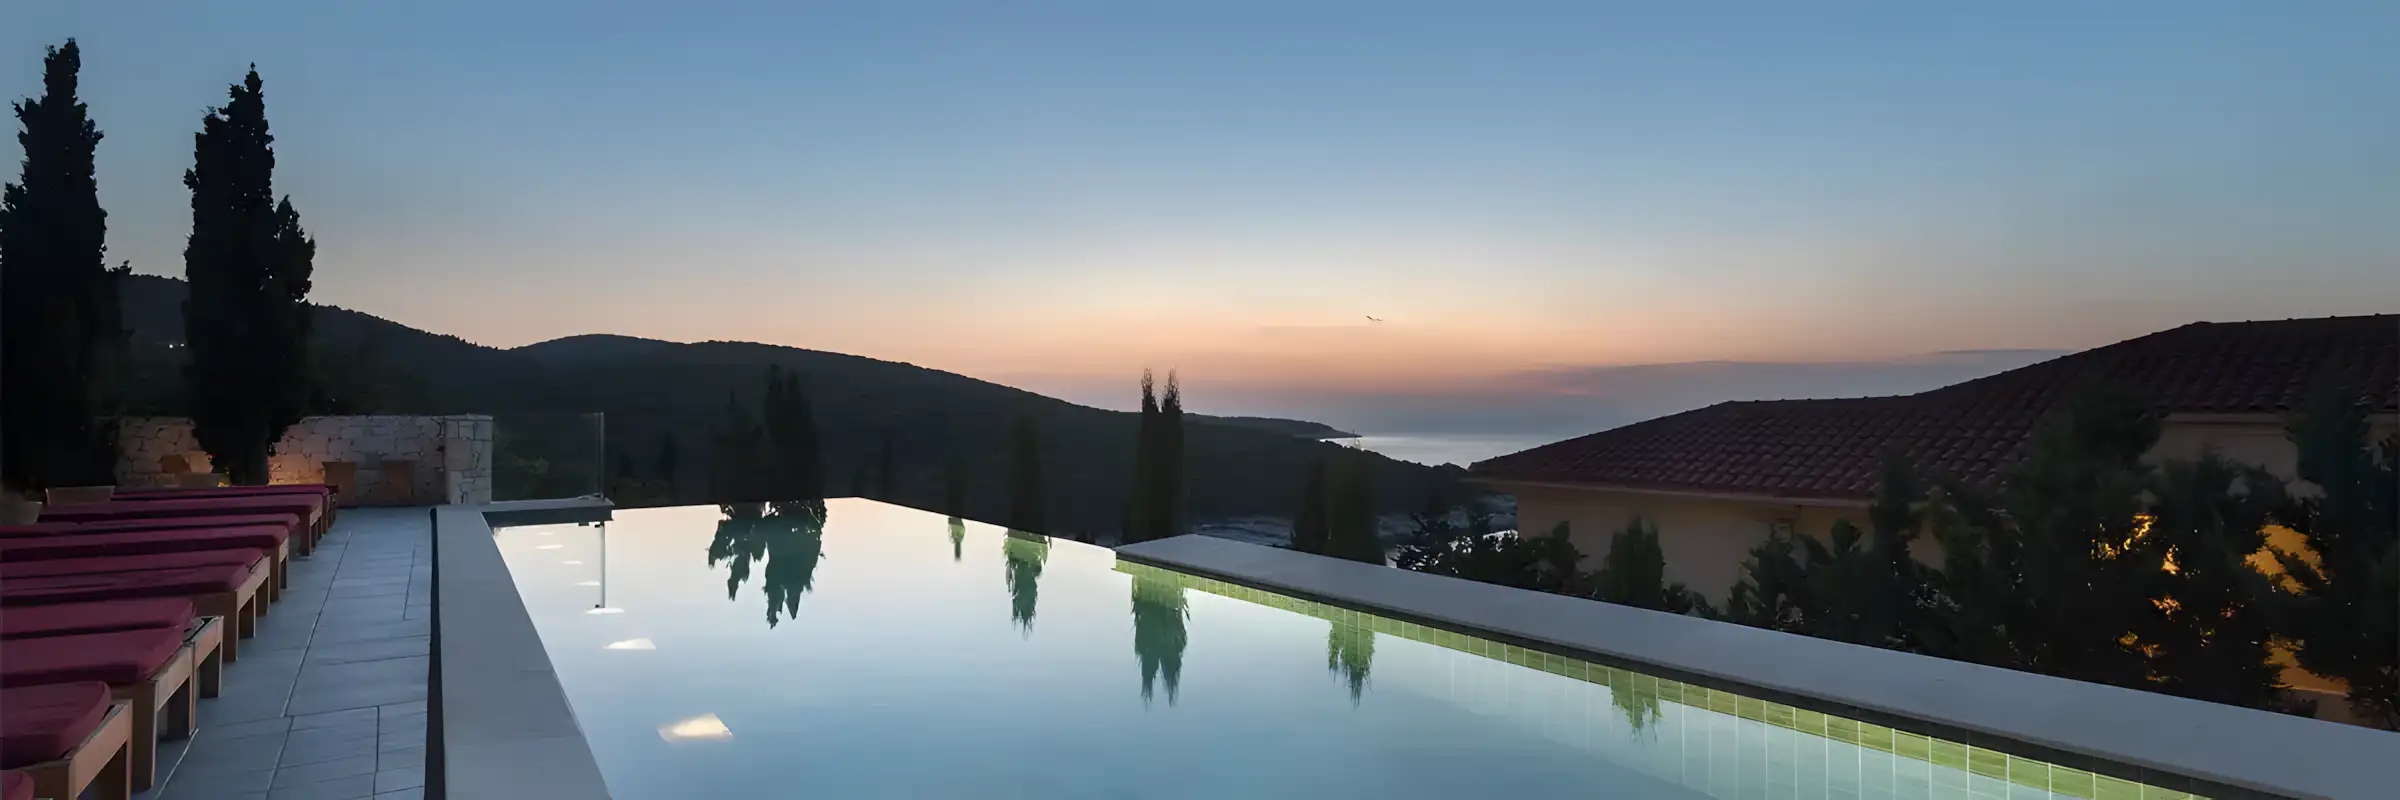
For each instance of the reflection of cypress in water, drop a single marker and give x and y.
(1025, 553)
(1350, 654)
(958, 539)
(1640, 706)
(1158, 633)
(789, 542)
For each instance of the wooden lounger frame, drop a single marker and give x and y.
(167, 691)
(102, 763)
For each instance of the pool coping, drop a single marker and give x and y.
(2216, 750)
(501, 723)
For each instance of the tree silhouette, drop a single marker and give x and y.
(1352, 525)
(796, 463)
(1023, 556)
(1154, 510)
(958, 539)
(246, 323)
(2346, 618)
(1350, 656)
(2211, 623)
(954, 483)
(1634, 573)
(1159, 613)
(1312, 528)
(1028, 509)
(788, 540)
(1139, 505)
(60, 327)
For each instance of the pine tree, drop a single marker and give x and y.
(2210, 624)
(248, 264)
(1027, 510)
(1311, 528)
(59, 321)
(1353, 531)
(2043, 576)
(740, 470)
(2346, 619)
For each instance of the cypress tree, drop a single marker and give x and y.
(1168, 496)
(797, 468)
(668, 458)
(1351, 512)
(1310, 528)
(1027, 510)
(2347, 616)
(885, 488)
(61, 322)
(248, 263)
(954, 484)
(1138, 505)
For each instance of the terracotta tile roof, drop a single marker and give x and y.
(1973, 430)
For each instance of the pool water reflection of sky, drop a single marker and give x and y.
(894, 653)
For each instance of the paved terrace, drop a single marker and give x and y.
(328, 701)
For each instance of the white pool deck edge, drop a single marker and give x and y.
(505, 728)
(2233, 747)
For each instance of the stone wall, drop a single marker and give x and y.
(447, 459)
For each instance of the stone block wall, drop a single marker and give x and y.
(449, 457)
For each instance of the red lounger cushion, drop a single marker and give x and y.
(316, 489)
(68, 619)
(103, 545)
(302, 505)
(16, 786)
(116, 585)
(287, 521)
(94, 566)
(119, 657)
(37, 529)
(41, 723)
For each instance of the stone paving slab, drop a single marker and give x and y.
(329, 700)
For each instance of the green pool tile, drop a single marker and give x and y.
(1987, 763)
(2107, 788)
(1949, 754)
(1841, 730)
(1808, 722)
(1874, 737)
(2071, 782)
(2029, 773)
(1779, 715)
(1750, 708)
(1910, 745)
(2155, 793)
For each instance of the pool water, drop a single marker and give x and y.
(891, 652)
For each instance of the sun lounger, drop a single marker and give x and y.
(226, 591)
(67, 738)
(15, 785)
(69, 619)
(293, 522)
(310, 509)
(140, 563)
(152, 669)
(275, 541)
(322, 492)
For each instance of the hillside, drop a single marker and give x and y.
(651, 391)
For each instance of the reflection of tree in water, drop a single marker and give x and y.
(1350, 654)
(1639, 705)
(958, 539)
(1025, 553)
(1158, 634)
(787, 538)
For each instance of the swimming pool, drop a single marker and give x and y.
(893, 653)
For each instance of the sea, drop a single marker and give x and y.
(1437, 449)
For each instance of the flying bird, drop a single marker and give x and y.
(1371, 318)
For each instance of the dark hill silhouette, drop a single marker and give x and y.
(651, 389)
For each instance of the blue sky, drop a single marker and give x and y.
(1057, 194)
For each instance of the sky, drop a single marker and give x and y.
(1056, 195)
